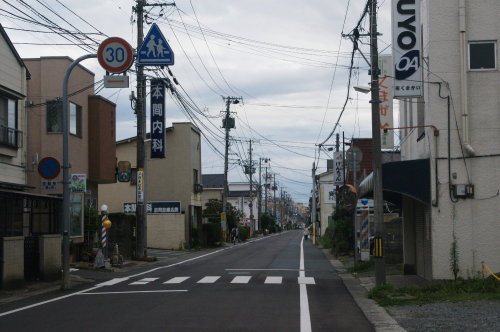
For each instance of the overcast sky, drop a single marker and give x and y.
(286, 59)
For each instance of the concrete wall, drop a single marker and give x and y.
(50, 256)
(13, 261)
(166, 231)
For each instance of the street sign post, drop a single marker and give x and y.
(155, 50)
(49, 168)
(115, 55)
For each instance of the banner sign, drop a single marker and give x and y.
(338, 168)
(406, 46)
(155, 208)
(385, 87)
(157, 119)
(78, 183)
(140, 186)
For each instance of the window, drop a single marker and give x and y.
(55, 118)
(482, 55)
(8, 121)
(75, 119)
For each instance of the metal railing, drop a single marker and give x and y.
(11, 137)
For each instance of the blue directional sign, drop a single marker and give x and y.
(155, 50)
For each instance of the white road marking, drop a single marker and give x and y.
(306, 281)
(241, 280)
(273, 280)
(118, 280)
(136, 292)
(263, 270)
(305, 316)
(143, 281)
(176, 280)
(208, 280)
(45, 302)
(112, 282)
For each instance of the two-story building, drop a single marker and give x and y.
(172, 183)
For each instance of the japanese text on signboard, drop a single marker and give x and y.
(157, 119)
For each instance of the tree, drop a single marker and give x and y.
(213, 210)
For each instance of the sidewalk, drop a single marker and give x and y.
(359, 284)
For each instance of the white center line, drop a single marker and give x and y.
(305, 317)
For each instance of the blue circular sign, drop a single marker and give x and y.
(49, 168)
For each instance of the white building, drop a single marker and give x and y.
(449, 176)
(244, 201)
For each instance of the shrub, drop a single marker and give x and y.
(243, 233)
(211, 234)
(326, 241)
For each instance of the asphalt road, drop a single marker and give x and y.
(277, 283)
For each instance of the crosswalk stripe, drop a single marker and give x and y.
(208, 280)
(241, 280)
(144, 281)
(176, 280)
(273, 280)
(306, 281)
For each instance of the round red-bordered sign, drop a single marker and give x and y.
(115, 55)
(49, 168)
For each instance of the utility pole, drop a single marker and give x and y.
(227, 123)
(281, 204)
(337, 149)
(265, 188)
(141, 197)
(313, 212)
(250, 169)
(274, 192)
(259, 200)
(378, 198)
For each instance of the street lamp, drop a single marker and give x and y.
(362, 89)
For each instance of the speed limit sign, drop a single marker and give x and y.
(115, 55)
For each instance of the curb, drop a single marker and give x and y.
(378, 316)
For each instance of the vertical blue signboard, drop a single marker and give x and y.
(157, 119)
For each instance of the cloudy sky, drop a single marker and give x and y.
(285, 58)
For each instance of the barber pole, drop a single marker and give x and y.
(103, 231)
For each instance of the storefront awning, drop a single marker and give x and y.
(410, 178)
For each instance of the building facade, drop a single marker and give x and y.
(454, 127)
(175, 179)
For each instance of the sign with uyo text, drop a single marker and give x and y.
(406, 48)
(157, 119)
(386, 93)
(155, 50)
(78, 183)
(338, 168)
(155, 207)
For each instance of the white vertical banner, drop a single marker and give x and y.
(407, 48)
(338, 168)
(140, 186)
(386, 93)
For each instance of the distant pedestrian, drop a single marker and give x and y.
(234, 234)
(306, 233)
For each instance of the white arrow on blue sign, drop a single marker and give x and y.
(155, 50)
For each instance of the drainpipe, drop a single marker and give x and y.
(463, 79)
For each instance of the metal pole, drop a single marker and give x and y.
(378, 207)
(259, 200)
(65, 167)
(265, 188)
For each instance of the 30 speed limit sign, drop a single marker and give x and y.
(115, 55)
